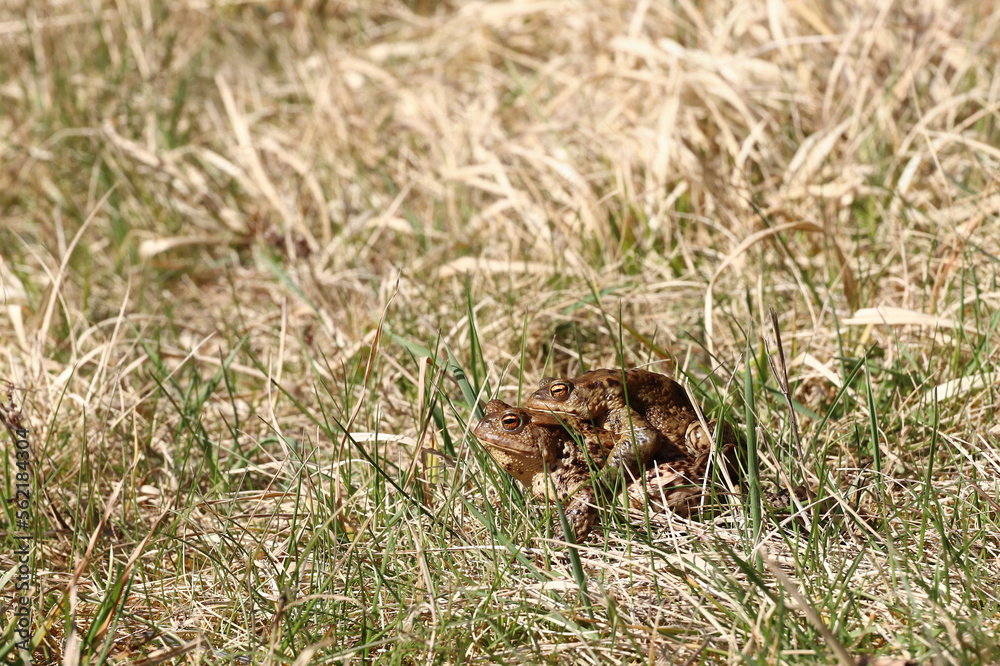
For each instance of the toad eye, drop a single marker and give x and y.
(559, 390)
(510, 422)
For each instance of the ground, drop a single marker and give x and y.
(260, 261)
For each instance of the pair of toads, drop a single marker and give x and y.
(577, 436)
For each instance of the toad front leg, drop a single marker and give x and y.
(638, 445)
(570, 483)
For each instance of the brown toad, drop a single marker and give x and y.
(537, 450)
(649, 411)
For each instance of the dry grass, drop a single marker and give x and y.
(233, 233)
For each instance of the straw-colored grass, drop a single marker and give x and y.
(259, 261)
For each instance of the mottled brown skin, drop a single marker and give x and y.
(537, 450)
(671, 486)
(651, 412)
